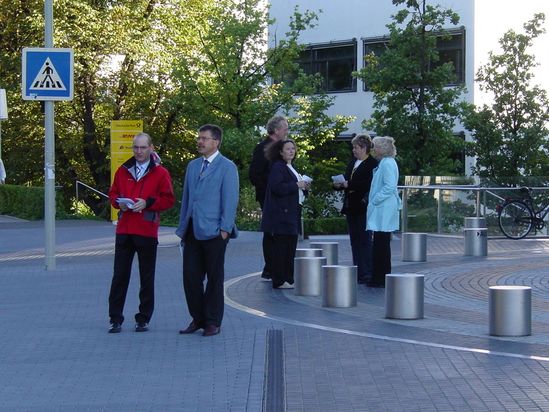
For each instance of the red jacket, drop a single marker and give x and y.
(155, 187)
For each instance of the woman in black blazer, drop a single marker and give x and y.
(282, 211)
(358, 178)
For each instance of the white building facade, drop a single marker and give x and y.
(347, 30)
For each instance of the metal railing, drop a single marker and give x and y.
(482, 198)
(78, 182)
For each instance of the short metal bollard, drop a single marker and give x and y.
(329, 250)
(476, 241)
(414, 247)
(474, 222)
(338, 286)
(308, 252)
(308, 275)
(404, 296)
(510, 310)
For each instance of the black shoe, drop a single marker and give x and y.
(192, 328)
(266, 277)
(211, 330)
(115, 327)
(141, 327)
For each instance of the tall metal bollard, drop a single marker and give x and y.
(510, 310)
(338, 286)
(414, 247)
(404, 296)
(308, 275)
(329, 250)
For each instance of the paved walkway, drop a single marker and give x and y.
(55, 354)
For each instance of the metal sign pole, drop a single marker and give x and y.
(49, 154)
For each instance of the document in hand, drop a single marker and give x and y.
(307, 179)
(338, 179)
(127, 201)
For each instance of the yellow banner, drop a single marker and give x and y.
(122, 134)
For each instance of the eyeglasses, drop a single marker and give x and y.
(140, 147)
(203, 138)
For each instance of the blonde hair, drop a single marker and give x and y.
(384, 146)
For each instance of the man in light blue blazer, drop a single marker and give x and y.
(207, 220)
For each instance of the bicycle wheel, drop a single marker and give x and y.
(515, 219)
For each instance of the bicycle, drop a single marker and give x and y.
(518, 216)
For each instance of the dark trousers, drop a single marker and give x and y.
(267, 246)
(381, 256)
(267, 240)
(361, 244)
(125, 249)
(282, 254)
(203, 258)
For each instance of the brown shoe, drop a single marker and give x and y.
(211, 330)
(192, 328)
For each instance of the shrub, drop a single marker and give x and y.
(27, 202)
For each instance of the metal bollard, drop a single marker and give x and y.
(510, 310)
(308, 252)
(476, 241)
(404, 296)
(474, 222)
(308, 275)
(329, 250)
(414, 247)
(338, 286)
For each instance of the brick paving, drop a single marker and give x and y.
(55, 354)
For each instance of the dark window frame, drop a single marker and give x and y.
(328, 64)
(459, 69)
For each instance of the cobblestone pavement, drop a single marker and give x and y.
(55, 354)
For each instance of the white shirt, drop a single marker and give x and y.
(299, 178)
(140, 169)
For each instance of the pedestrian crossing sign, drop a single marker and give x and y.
(47, 74)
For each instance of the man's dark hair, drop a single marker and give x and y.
(216, 131)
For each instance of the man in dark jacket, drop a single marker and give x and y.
(277, 129)
(141, 189)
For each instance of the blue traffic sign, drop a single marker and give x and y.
(47, 74)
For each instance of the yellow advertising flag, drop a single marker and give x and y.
(122, 134)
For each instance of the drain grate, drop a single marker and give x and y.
(274, 394)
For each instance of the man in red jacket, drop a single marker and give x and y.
(141, 190)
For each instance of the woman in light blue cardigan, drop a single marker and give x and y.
(383, 207)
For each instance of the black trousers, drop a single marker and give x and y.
(282, 254)
(381, 256)
(125, 249)
(361, 244)
(201, 259)
(267, 240)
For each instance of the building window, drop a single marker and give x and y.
(450, 49)
(335, 62)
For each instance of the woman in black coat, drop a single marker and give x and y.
(358, 178)
(282, 211)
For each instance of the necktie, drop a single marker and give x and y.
(137, 172)
(204, 166)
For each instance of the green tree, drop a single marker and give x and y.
(230, 81)
(320, 154)
(511, 135)
(174, 64)
(412, 102)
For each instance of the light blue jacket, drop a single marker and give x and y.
(209, 199)
(383, 202)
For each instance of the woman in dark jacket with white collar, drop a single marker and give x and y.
(358, 178)
(282, 211)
